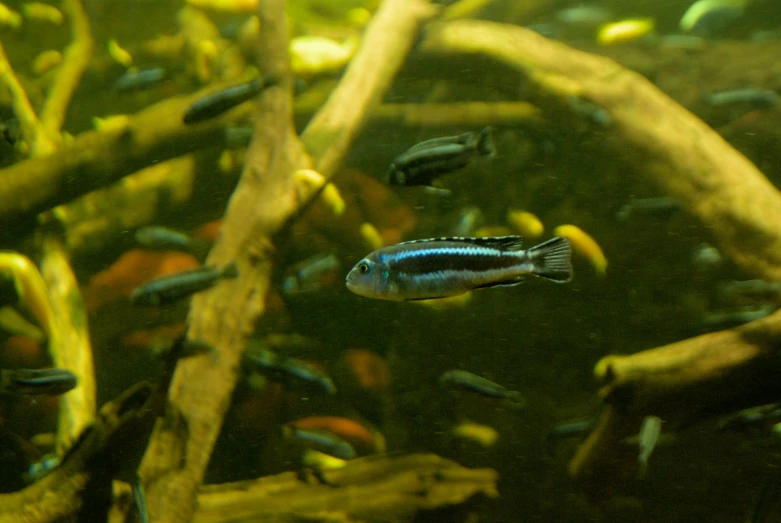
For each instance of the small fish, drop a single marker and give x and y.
(747, 420)
(215, 104)
(159, 238)
(706, 257)
(754, 98)
(170, 289)
(658, 206)
(483, 435)
(708, 17)
(422, 163)
(571, 428)
(308, 275)
(589, 111)
(371, 236)
(46, 61)
(759, 289)
(469, 219)
(589, 16)
(42, 468)
(134, 78)
(40, 12)
(723, 320)
(649, 435)
(525, 223)
(289, 370)
(441, 267)
(119, 54)
(320, 440)
(51, 382)
(461, 379)
(625, 31)
(584, 245)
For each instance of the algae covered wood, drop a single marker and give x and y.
(662, 141)
(390, 488)
(682, 383)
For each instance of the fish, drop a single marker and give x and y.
(119, 54)
(51, 382)
(649, 435)
(657, 206)
(42, 468)
(170, 289)
(625, 31)
(308, 275)
(757, 289)
(706, 257)
(469, 219)
(289, 370)
(159, 238)
(572, 428)
(708, 17)
(139, 500)
(442, 267)
(215, 104)
(748, 420)
(483, 435)
(426, 161)
(320, 440)
(465, 380)
(365, 440)
(525, 223)
(589, 111)
(584, 245)
(723, 320)
(134, 78)
(755, 98)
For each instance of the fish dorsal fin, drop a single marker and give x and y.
(503, 243)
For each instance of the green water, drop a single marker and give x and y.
(539, 338)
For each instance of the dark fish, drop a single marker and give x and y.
(461, 379)
(159, 238)
(424, 162)
(170, 289)
(571, 428)
(757, 98)
(723, 320)
(756, 419)
(289, 370)
(135, 79)
(52, 382)
(213, 105)
(308, 275)
(440, 267)
(659, 206)
(42, 468)
(321, 441)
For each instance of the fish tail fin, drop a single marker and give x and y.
(231, 271)
(552, 260)
(485, 143)
(516, 400)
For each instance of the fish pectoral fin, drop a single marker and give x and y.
(504, 283)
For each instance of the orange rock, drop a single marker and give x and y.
(368, 368)
(364, 440)
(133, 268)
(22, 352)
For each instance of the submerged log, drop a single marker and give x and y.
(682, 383)
(381, 489)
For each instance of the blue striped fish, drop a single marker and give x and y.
(442, 267)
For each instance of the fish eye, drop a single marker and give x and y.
(363, 267)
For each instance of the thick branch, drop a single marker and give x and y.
(72, 349)
(681, 383)
(378, 489)
(96, 159)
(385, 46)
(662, 141)
(260, 206)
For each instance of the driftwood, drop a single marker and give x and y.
(682, 383)
(71, 348)
(95, 458)
(264, 199)
(662, 141)
(390, 489)
(96, 159)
